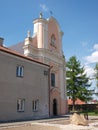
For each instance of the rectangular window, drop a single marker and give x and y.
(20, 105)
(53, 79)
(35, 105)
(19, 71)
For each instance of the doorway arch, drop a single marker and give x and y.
(55, 107)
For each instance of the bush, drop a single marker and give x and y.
(96, 111)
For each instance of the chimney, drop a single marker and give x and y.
(1, 41)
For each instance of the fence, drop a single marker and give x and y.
(84, 107)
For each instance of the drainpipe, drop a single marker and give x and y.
(49, 86)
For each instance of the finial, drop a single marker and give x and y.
(28, 34)
(41, 15)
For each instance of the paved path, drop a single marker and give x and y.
(24, 123)
(48, 124)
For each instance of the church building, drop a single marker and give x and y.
(42, 52)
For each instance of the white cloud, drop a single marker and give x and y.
(95, 47)
(90, 62)
(89, 70)
(93, 58)
(44, 7)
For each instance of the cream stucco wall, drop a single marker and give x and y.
(33, 85)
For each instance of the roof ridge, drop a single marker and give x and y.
(8, 50)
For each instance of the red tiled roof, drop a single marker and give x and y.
(78, 101)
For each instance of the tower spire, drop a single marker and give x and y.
(28, 34)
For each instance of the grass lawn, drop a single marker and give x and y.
(90, 113)
(93, 113)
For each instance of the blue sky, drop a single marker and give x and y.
(78, 20)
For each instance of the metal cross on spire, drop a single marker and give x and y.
(40, 15)
(51, 13)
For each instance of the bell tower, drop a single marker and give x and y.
(46, 46)
(41, 31)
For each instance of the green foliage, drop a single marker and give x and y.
(96, 74)
(77, 81)
(93, 113)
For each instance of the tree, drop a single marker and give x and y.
(77, 81)
(96, 76)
